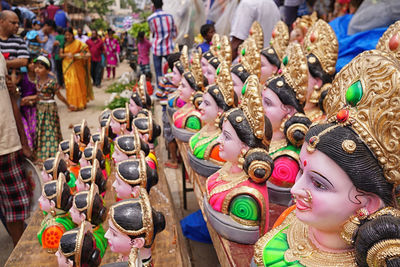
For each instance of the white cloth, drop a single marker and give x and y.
(9, 138)
(83, 38)
(264, 11)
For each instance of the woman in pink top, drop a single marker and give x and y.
(143, 50)
(112, 49)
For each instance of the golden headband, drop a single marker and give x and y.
(225, 83)
(250, 57)
(390, 40)
(279, 40)
(257, 33)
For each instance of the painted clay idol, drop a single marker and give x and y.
(249, 63)
(90, 174)
(52, 167)
(271, 57)
(129, 146)
(345, 192)
(92, 153)
(88, 206)
(78, 247)
(186, 120)
(140, 98)
(56, 200)
(132, 174)
(121, 120)
(301, 27)
(236, 203)
(133, 226)
(105, 146)
(72, 154)
(82, 134)
(321, 49)
(283, 102)
(204, 148)
(148, 129)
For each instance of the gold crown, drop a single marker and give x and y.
(305, 22)
(253, 109)
(365, 95)
(280, 39)
(321, 41)
(295, 71)
(250, 57)
(215, 41)
(142, 88)
(257, 33)
(184, 58)
(225, 51)
(390, 40)
(225, 83)
(196, 69)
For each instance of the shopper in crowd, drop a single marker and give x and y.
(51, 10)
(47, 33)
(112, 49)
(34, 41)
(207, 31)
(81, 36)
(143, 50)
(163, 31)
(96, 48)
(57, 59)
(61, 18)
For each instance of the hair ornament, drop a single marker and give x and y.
(196, 69)
(279, 40)
(390, 40)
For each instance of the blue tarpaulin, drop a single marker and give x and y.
(194, 227)
(352, 45)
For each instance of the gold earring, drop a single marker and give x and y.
(309, 198)
(218, 119)
(241, 157)
(352, 224)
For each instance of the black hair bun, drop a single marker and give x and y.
(296, 128)
(258, 164)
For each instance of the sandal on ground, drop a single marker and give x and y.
(171, 165)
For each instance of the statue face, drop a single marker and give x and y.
(76, 215)
(118, 155)
(45, 204)
(297, 35)
(123, 190)
(273, 108)
(83, 162)
(210, 74)
(133, 107)
(46, 177)
(185, 90)
(334, 197)
(115, 127)
(208, 109)
(204, 65)
(81, 186)
(62, 260)
(267, 69)
(176, 76)
(230, 144)
(118, 242)
(237, 85)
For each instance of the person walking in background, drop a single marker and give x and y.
(51, 10)
(57, 59)
(46, 33)
(96, 48)
(61, 18)
(48, 130)
(163, 31)
(81, 36)
(112, 49)
(207, 31)
(78, 83)
(34, 41)
(143, 50)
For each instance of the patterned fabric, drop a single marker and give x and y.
(163, 30)
(14, 188)
(48, 131)
(28, 113)
(14, 47)
(112, 49)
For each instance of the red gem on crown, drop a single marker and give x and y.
(342, 115)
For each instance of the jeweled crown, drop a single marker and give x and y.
(196, 69)
(142, 88)
(390, 40)
(279, 39)
(225, 83)
(184, 58)
(365, 95)
(295, 71)
(321, 41)
(257, 33)
(225, 51)
(250, 57)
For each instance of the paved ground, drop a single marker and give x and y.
(201, 254)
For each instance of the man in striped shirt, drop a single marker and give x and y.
(163, 31)
(12, 47)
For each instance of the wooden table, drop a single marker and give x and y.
(168, 250)
(229, 253)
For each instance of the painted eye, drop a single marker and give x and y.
(317, 184)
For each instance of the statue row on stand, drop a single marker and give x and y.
(75, 184)
(281, 129)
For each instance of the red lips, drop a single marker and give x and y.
(301, 205)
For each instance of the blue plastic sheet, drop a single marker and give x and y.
(194, 227)
(352, 45)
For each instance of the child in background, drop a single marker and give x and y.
(207, 31)
(34, 41)
(48, 131)
(143, 50)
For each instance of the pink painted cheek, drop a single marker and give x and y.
(123, 190)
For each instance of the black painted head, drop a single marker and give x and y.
(83, 132)
(214, 62)
(94, 173)
(71, 148)
(91, 153)
(59, 192)
(105, 123)
(270, 54)
(216, 93)
(146, 125)
(131, 145)
(91, 204)
(189, 77)
(103, 141)
(315, 68)
(239, 71)
(55, 166)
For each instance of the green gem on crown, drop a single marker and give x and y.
(218, 70)
(219, 47)
(354, 93)
(244, 89)
(285, 60)
(308, 48)
(243, 51)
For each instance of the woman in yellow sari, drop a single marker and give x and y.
(76, 69)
